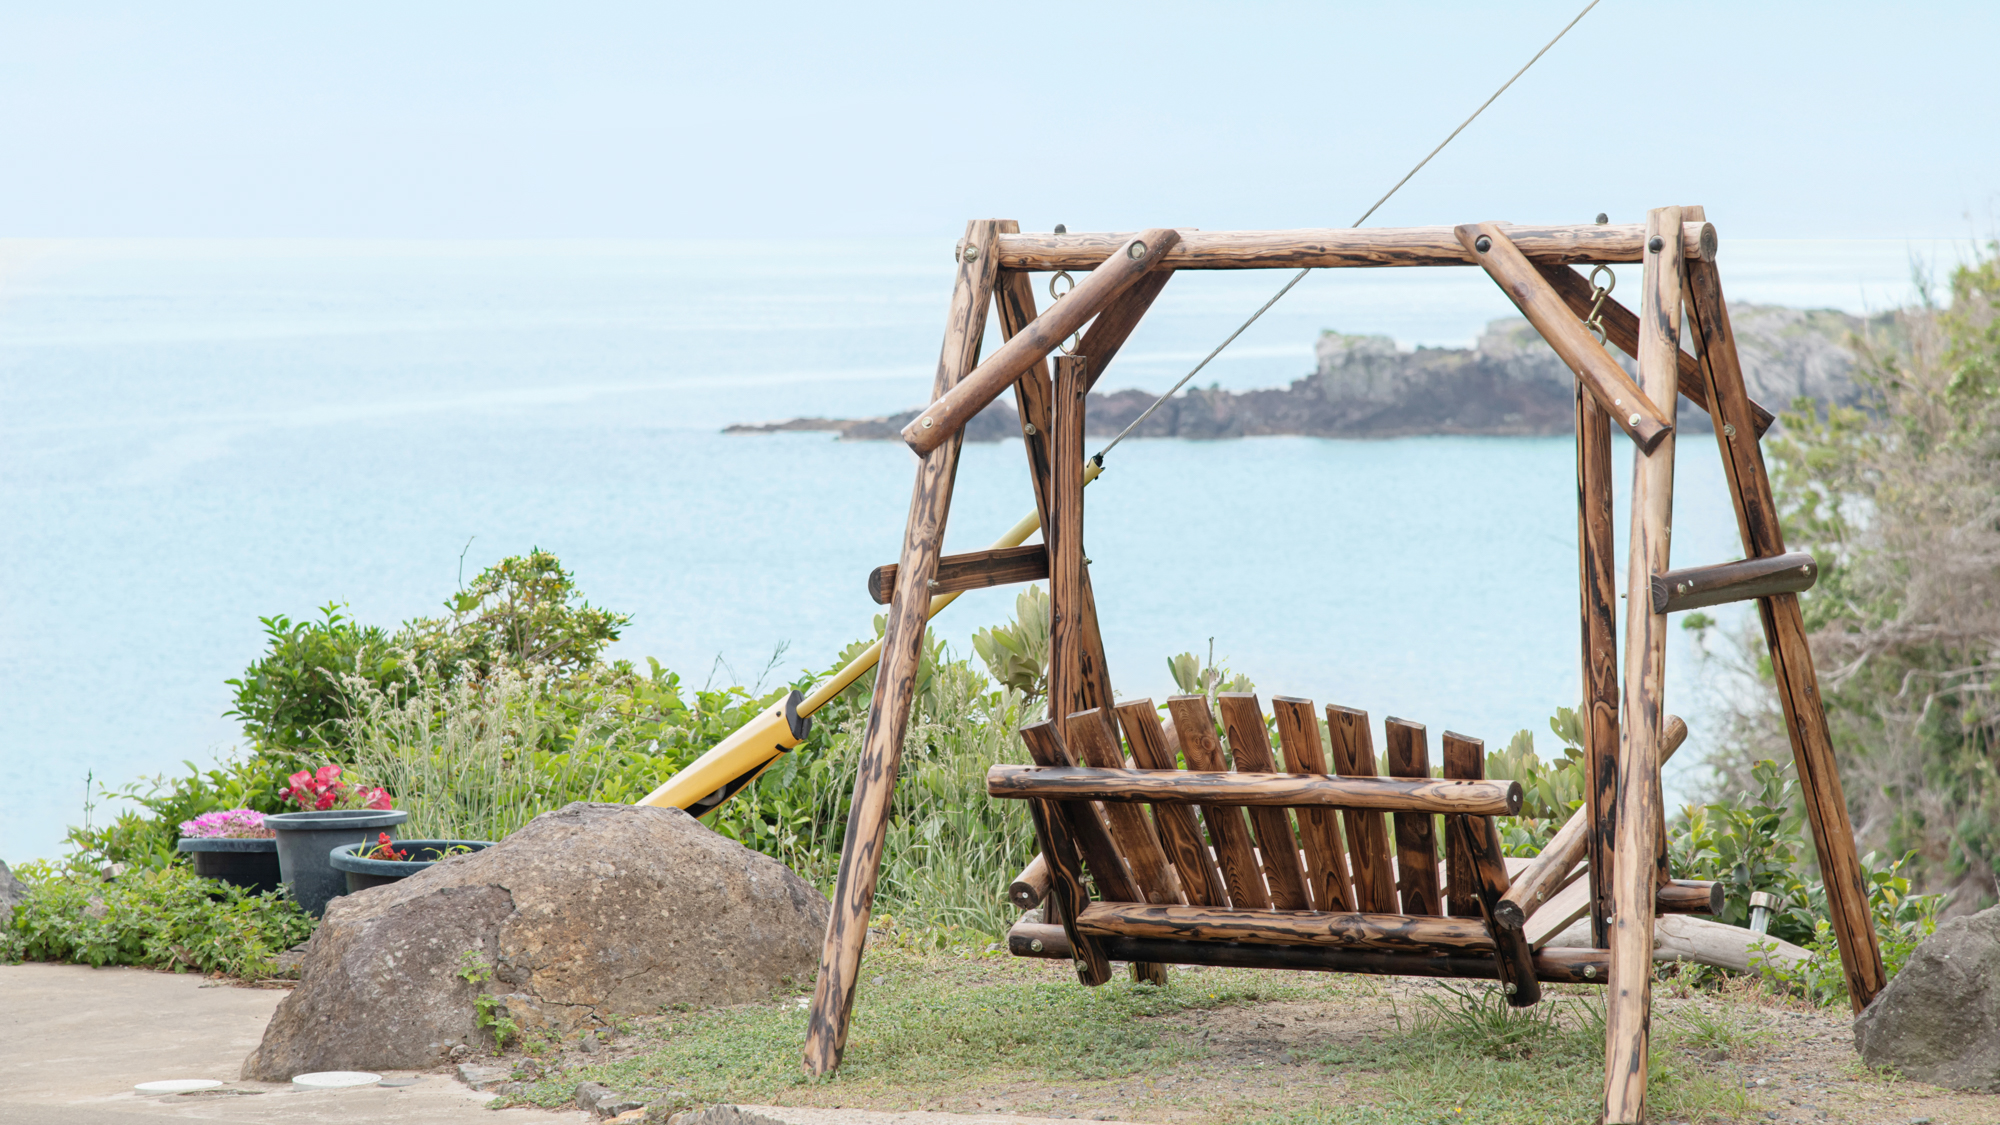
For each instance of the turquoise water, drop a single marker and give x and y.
(200, 433)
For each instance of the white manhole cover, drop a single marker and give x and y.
(176, 1085)
(335, 1079)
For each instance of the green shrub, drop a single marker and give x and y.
(292, 697)
(167, 917)
(523, 612)
(145, 837)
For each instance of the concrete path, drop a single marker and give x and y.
(75, 1040)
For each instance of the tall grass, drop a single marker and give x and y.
(477, 760)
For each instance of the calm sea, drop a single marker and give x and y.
(200, 433)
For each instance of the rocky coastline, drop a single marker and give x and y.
(1509, 383)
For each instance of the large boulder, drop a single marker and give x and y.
(1939, 1020)
(589, 911)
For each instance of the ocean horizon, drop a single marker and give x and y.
(199, 433)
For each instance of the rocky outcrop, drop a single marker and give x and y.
(1938, 1021)
(1509, 383)
(590, 911)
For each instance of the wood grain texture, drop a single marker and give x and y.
(1621, 331)
(1243, 724)
(1532, 886)
(1793, 572)
(1319, 828)
(1093, 840)
(1066, 889)
(1464, 760)
(1688, 896)
(1367, 833)
(1409, 756)
(1391, 932)
(1628, 1000)
(950, 411)
(1595, 370)
(1428, 796)
(1791, 659)
(895, 676)
(1561, 966)
(1194, 725)
(1063, 534)
(1029, 887)
(1597, 582)
(1514, 961)
(1353, 246)
(1179, 831)
(1090, 737)
(973, 570)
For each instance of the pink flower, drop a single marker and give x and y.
(328, 774)
(378, 798)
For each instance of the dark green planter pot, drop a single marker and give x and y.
(251, 863)
(306, 839)
(365, 873)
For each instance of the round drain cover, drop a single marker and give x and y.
(177, 1085)
(335, 1079)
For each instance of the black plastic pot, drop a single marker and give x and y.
(306, 839)
(251, 863)
(365, 873)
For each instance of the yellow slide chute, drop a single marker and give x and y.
(736, 761)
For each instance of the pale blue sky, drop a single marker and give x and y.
(1791, 120)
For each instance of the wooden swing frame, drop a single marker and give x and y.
(1316, 897)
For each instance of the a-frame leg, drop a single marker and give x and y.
(895, 677)
(1629, 999)
(1784, 632)
(1598, 582)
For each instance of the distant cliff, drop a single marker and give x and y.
(1508, 383)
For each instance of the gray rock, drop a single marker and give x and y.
(588, 912)
(605, 1101)
(12, 892)
(1939, 1020)
(725, 1115)
(480, 1077)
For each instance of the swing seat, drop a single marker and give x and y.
(1312, 882)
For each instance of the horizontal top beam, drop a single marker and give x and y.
(1585, 244)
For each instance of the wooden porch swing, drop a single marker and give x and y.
(1318, 878)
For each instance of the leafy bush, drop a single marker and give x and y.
(1017, 653)
(522, 612)
(167, 917)
(146, 838)
(291, 697)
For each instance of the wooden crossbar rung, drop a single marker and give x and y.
(1696, 586)
(1031, 885)
(1347, 928)
(1560, 966)
(973, 570)
(1255, 790)
(1365, 246)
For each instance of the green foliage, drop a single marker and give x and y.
(1017, 654)
(489, 1013)
(1899, 500)
(523, 612)
(1550, 791)
(291, 697)
(166, 917)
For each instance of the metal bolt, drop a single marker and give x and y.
(1482, 244)
(927, 423)
(1633, 420)
(1589, 972)
(1028, 428)
(1602, 218)
(1137, 249)
(1806, 569)
(1617, 402)
(972, 252)
(931, 584)
(1729, 429)
(1657, 244)
(1511, 986)
(1035, 946)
